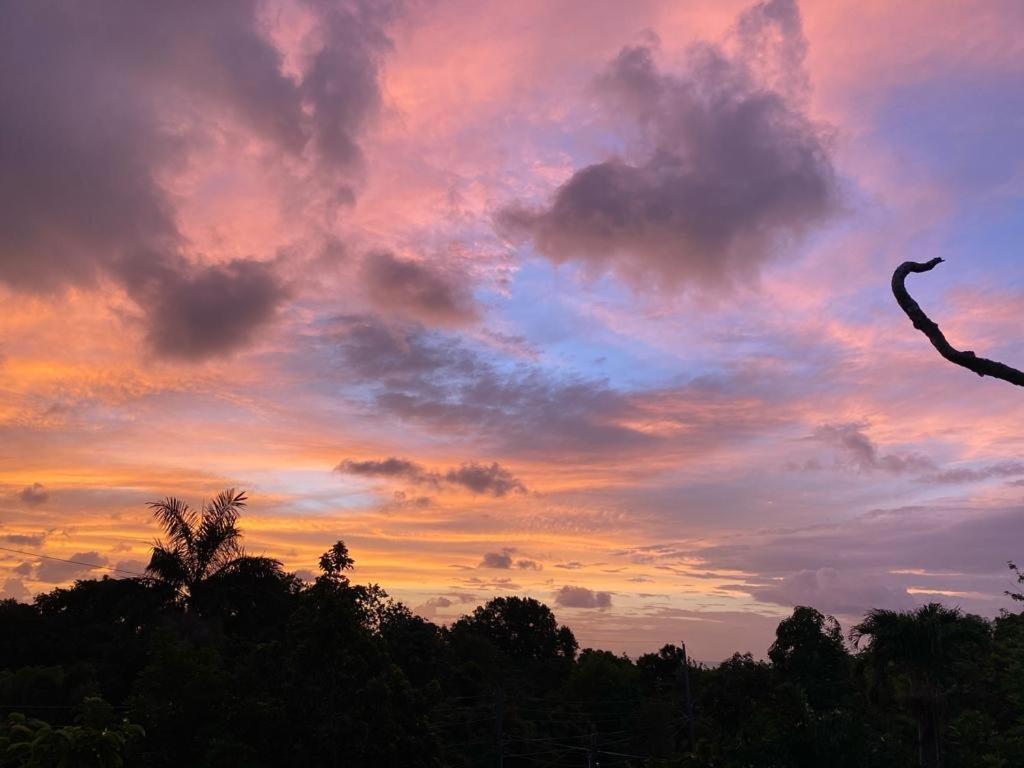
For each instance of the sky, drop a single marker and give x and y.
(586, 301)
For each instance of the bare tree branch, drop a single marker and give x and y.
(929, 328)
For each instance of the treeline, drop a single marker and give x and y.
(223, 660)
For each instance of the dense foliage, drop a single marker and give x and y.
(222, 660)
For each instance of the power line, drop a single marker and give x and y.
(74, 562)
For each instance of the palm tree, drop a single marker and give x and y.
(917, 654)
(201, 544)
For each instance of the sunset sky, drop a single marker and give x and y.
(582, 300)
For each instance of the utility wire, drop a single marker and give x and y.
(75, 562)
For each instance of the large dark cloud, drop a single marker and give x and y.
(729, 169)
(418, 290)
(104, 100)
(214, 310)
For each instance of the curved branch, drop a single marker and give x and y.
(929, 328)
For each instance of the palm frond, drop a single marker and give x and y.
(166, 565)
(177, 518)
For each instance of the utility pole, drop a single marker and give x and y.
(688, 696)
(499, 717)
(592, 749)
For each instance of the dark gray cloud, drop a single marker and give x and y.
(729, 172)
(418, 290)
(390, 467)
(34, 494)
(213, 310)
(25, 540)
(57, 571)
(581, 597)
(503, 560)
(492, 480)
(103, 100)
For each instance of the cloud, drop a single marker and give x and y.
(56, 571)
(418, 290)
(581, 597)
(429, 608)
(105, 103)
(887, 558)
(503, 560)
(976, 474)
(14, 589)
(34, 495)
(213, 310)
(443, 384)
(860, 451)
(25, 540)
(730, 170)
(832, 591)
(390, 467)
(492, 480)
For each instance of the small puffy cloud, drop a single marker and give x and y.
(572, 565)
(581, 597)
(34, 494)
(56, 571)
(390, 467)
(730, 169)
(504, 560)
(418, 289)
(429, 608)
(493, 480)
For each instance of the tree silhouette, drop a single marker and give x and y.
(203, 544)
(916, 654)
